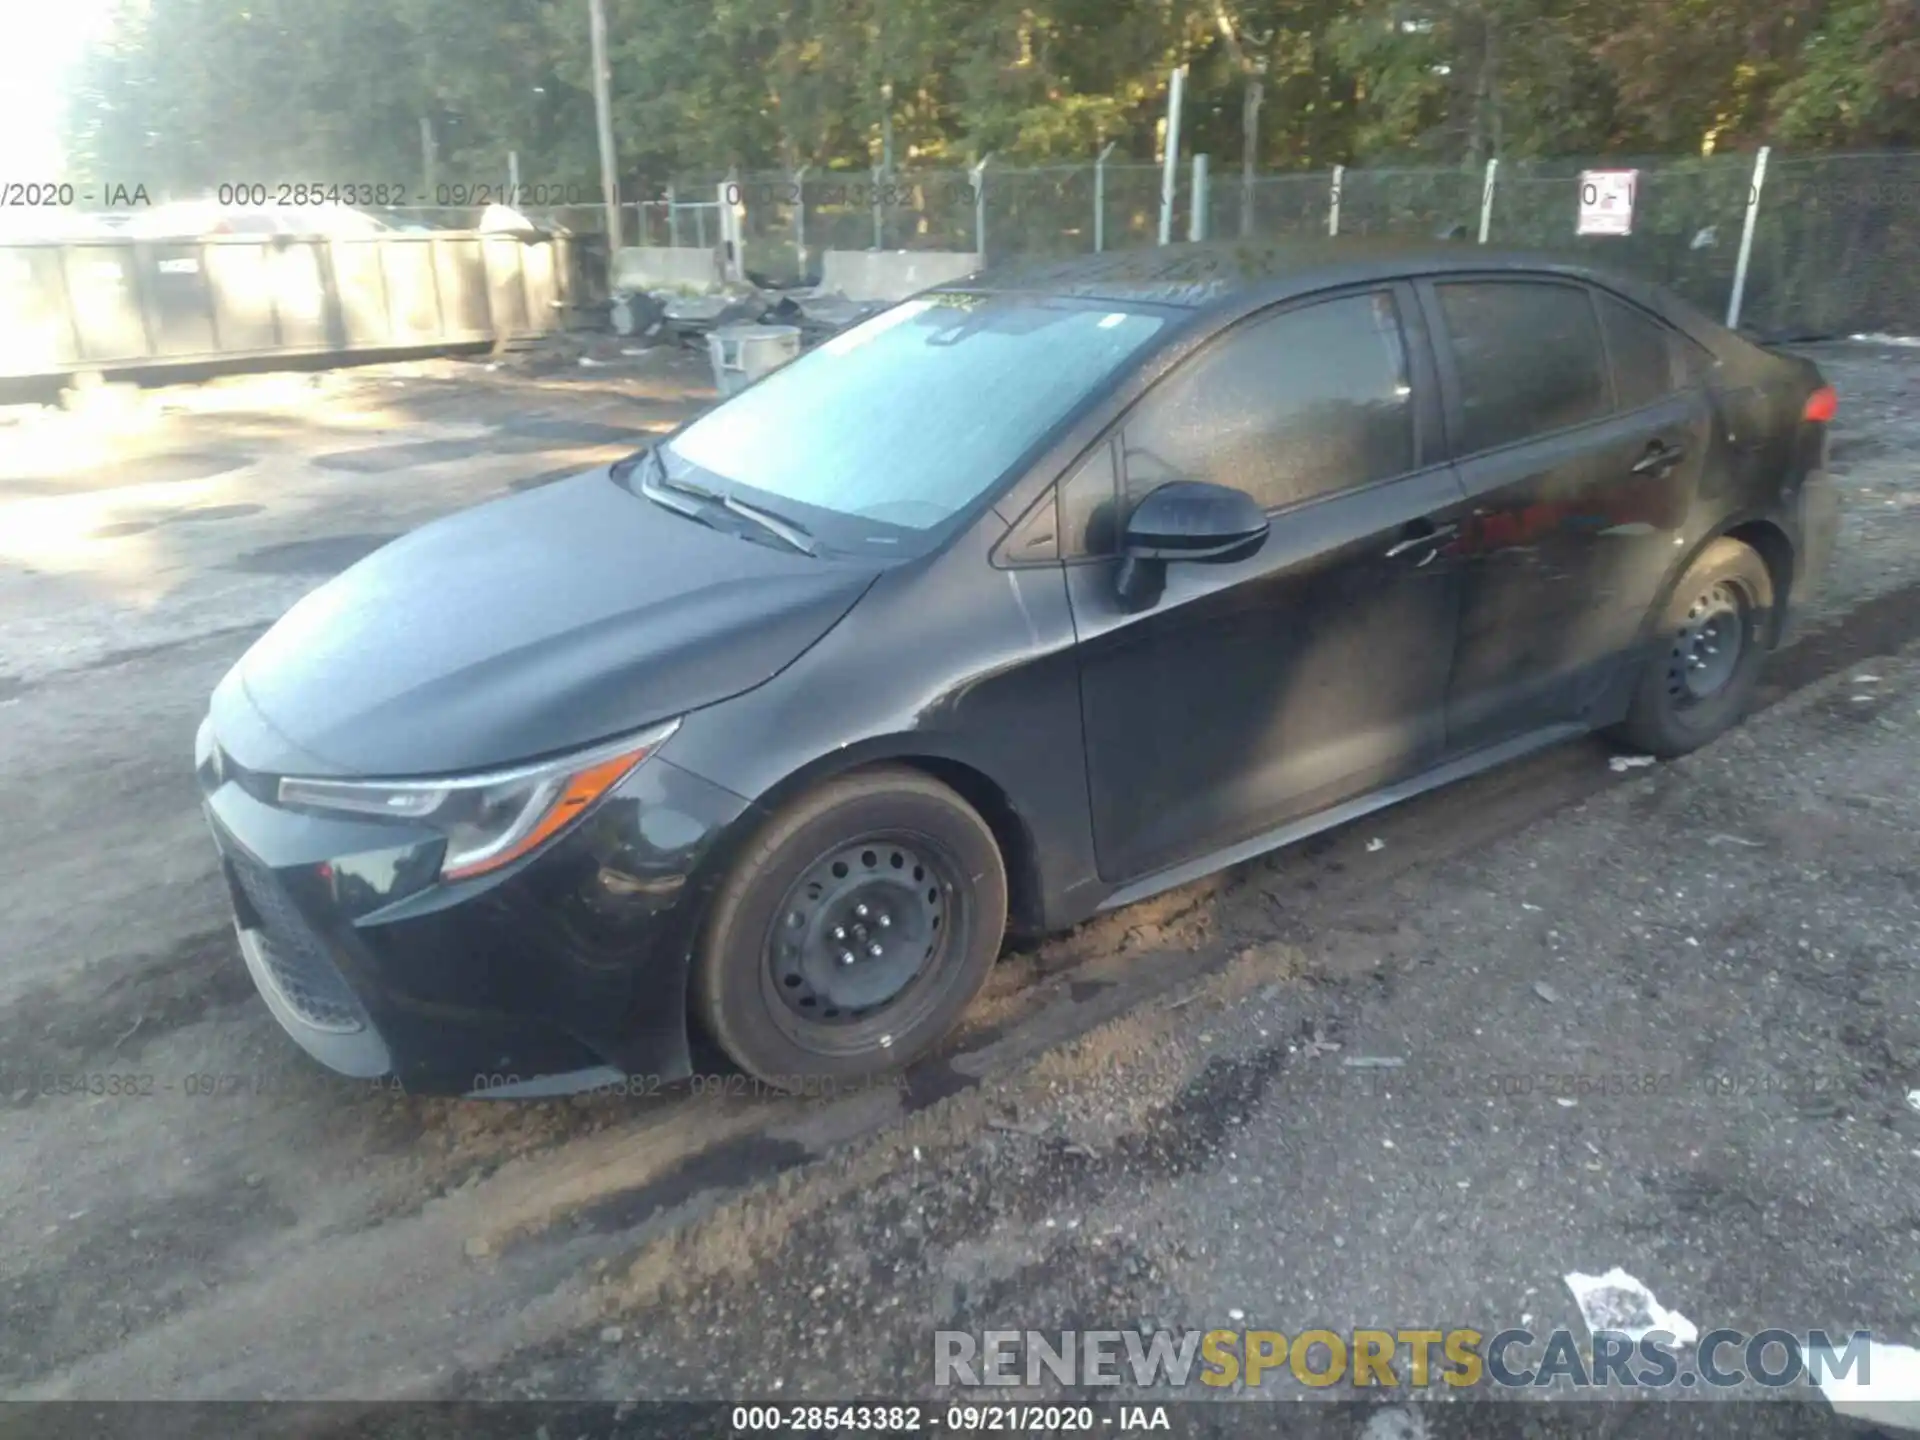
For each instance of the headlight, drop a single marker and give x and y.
(489, 820)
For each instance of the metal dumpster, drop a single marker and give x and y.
(113, 304)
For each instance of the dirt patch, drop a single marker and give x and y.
(125, 1263)
(309, 557)
(122, 1009)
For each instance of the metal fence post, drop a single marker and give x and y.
(800, 220)
(673, 220)
(1100, 197)
(1486, 199)
(879, 216)
(1746, 239)
(980, 208)
(731, 212)
(1197, 201)
(1333, 200)
(1170, 166)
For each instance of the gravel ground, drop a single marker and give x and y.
(1875, 439)
(1735, 936)
(1159, 1085)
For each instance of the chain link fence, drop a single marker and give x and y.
(1835, 243)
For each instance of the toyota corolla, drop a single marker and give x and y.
(1026, 599)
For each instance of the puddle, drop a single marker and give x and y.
(309, 557)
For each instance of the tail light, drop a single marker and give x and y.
(1821, 405)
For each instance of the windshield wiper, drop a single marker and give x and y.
(663, 481)
(665, 492)
(773, 524)
(661, 487)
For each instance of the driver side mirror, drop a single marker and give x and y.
(1185, 520)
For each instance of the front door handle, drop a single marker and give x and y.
(1659, 459)
(1419, 533)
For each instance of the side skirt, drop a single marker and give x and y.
(1294, 831)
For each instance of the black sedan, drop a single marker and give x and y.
(1025, 599)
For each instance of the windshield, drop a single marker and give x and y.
(908, 418)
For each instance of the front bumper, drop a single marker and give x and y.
(564, 971)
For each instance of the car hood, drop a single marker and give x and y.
(528, 626)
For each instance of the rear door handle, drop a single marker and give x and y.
(1419, 533)
(1659, 459)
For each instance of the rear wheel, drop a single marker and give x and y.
(854, 930)
(1708, 647)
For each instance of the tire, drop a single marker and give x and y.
(1691, 688)
(777, 990)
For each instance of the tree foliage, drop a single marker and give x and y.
(191, 93)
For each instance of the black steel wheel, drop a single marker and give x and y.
(1707, 646)
(853, 931)
(1706, 649)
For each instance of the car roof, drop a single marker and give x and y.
(1236, 274)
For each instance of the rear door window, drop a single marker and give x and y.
(1528, 358)
(1650, 359)
(1286, 408)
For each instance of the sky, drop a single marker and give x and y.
(39, 42)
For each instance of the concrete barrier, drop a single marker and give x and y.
(892, 274)
(663, 267)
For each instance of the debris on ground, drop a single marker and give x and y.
(1883, 1389)
(1620, 764)
(1616, 1301)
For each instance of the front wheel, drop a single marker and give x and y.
(1705, 655)
(854, 930)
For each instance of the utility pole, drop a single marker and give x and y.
(428, 158)
(1249, 150)
(886, 127)
(603, 113)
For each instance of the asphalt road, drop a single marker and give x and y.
(1151, 1119)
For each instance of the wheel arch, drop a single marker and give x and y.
(1019, 850)
(1762, 534)
(1775, 547)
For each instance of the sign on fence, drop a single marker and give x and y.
(1606, 202)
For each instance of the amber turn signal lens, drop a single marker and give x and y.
(580, 791)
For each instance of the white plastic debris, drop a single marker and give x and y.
(1546, 992)
(1913, 1099)
(587, 362)
(1396, 1424)
(1616, 1301)
(1620, 764)
(1889, 1397)
(1376, 844)
(1866, 679)
(1565, 1102)
(1705, 239)
(1876, 338)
